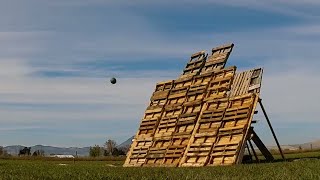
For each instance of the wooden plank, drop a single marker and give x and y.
(263, 149)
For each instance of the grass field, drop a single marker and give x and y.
(53, 169)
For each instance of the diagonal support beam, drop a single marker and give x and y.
(270, 126)
(263, 149)
(254, 152)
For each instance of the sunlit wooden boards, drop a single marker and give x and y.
(247, 82)
(230, 143)
(218, 58)
(200, 119)
(200, 62)
(144, 138)
(195, 64)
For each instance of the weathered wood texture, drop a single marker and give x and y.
(247, 82)
(218, 58)
(136, 156)
(195, 64)
(220, 133)
(202, 118)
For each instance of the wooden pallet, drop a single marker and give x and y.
(157, 151)
(173, 110)
(160, 95)
(217, 59)
(182, 82)
(195, 64)
(220, 84)
(168, 121)
(138, 152)
(204, 78)
(177, 95)
(176, 149)
(230, 143)
(196, 92)
(247, 82)
(204, 135)
(148, 124)
(166, 126)
(150, 121)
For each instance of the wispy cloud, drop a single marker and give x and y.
(57, 57)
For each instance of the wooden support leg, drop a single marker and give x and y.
(263, 149)
(248, 148)
(254, 152)
(274, 135)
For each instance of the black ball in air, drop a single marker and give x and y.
(113, 80)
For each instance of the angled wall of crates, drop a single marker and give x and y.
(202, 118)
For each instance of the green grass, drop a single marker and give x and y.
(85, 169)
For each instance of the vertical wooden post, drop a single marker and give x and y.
(248, 149)
(270, 126)
(254, 152)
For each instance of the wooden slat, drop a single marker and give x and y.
(247, 82)
(217, 59)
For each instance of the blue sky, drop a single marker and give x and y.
(57, 57)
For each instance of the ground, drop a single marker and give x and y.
(306, 168)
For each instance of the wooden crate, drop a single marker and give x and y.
(220, 84)
(195, 64)
(160, 95)
(138, 152)
(217, 59)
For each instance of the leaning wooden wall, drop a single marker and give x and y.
(202, 118)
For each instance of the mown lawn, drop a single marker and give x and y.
(43, 169)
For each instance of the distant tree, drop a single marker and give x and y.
(109, 147)
(95, 151)
(3, 152)
(38, 153)
(25, 151)
(125, 148)
(118, 152)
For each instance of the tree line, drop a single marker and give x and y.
(108, 149)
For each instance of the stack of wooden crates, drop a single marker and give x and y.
(200, 119)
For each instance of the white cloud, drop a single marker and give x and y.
(58, 41)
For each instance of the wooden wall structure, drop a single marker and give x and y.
(202, 118)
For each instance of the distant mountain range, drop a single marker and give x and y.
(84, 151)
(14, 150)
(127, 143)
